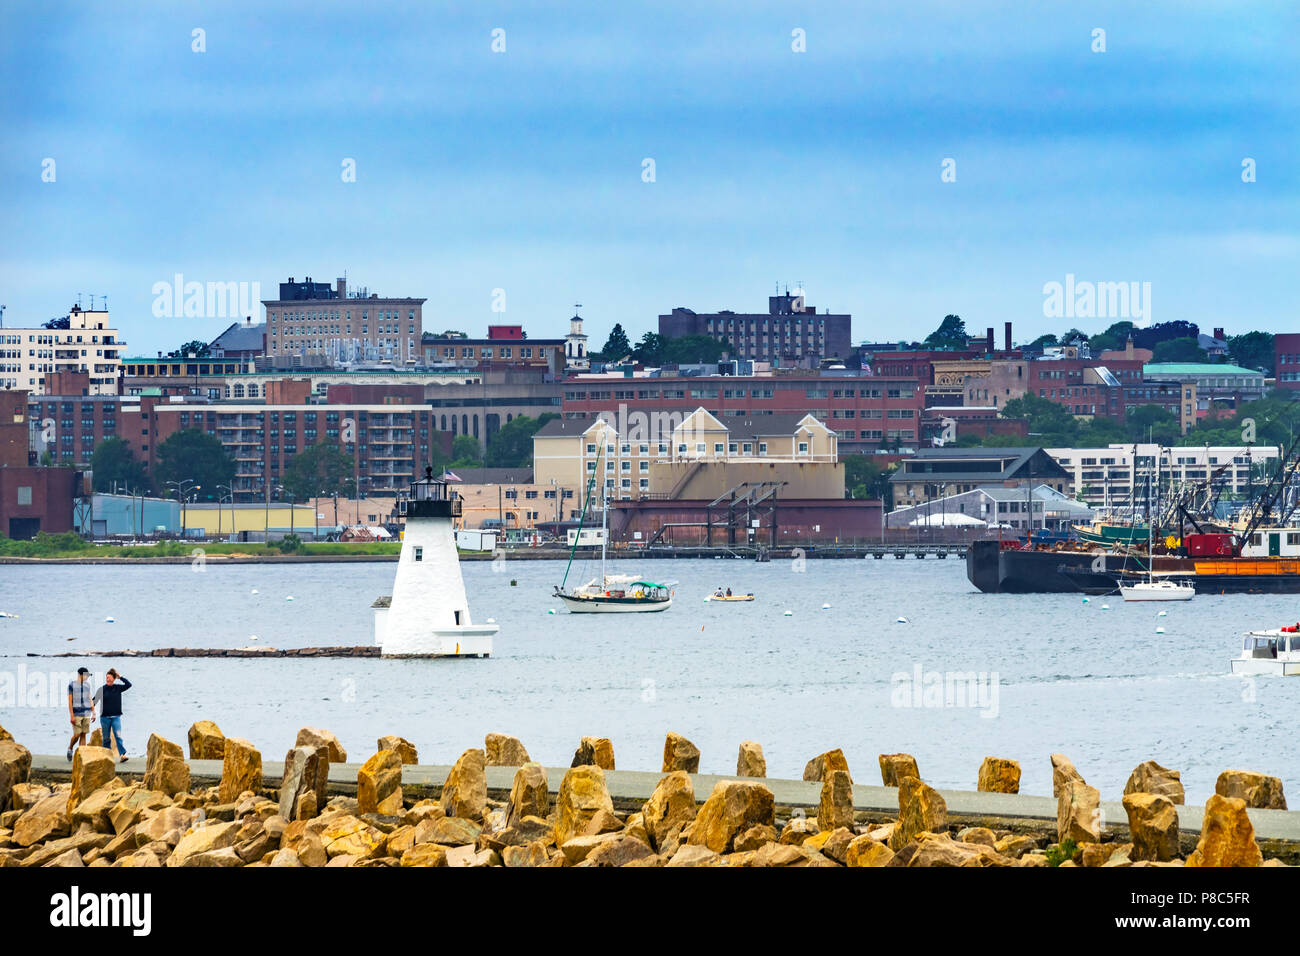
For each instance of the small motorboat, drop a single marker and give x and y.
(1275, 652)
(731, 597)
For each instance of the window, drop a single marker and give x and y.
(419, 553)
(24, 494)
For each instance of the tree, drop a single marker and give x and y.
(1253, 350)
(864, 478)
(115, 466)
(512, 445)
(320, 470)
(951, 334)
(60, 323)
(1113, 338)
(195, 347)
(1042, 341)
(649, 351)
(194, 456)
(1153, 423)
(1149, 337)
(1050, 424)
(1182, 349)
(465, 452)
(617, 345)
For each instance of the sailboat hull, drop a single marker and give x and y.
(610, 605)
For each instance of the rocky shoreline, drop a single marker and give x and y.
(98, 818)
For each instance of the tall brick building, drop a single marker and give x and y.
(789, 334)
(314, 319)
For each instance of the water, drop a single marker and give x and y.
(1099, 685)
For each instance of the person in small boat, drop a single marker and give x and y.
(718, 592)
(728, 592)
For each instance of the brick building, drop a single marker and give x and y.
(789, 334)
(314, 319)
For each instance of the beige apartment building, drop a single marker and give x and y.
(89, 344)
(696, 457)
(314, 319)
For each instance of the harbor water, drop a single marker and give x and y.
(963, 676)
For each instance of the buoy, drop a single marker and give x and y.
(491, 620)
(289, 598)
(902, 620)
(252, 637)
(701, 627)
(1163, 614)
(789, 613)
(108, 620)
(1085, 600)
(255, 591)
(826, 607)
(514, 583)
(551, 611)
(1160, 630)
(1105, 607)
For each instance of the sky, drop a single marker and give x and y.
(896, 161)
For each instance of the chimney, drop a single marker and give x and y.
(1218, 334)
(341, 286)
(1008, 336)
(988, 347)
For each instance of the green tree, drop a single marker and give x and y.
(1042, 341)
(114, 465)
(650, 350)
(1253, 350)
(951, 334)
(320, 470)
(691, 349)
(1178, 350)
(864, 478)
(617, 345)
(512, 445)
(465, 452)
(195, 456)
(197, 348)
(1113, 338)
(1050, 424)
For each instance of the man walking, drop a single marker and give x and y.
(109, 699)
(81, 709)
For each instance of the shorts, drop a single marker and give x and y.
(81, 724)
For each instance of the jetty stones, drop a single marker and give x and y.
(732, 808)
(379, 784)
(1063, 772)
(15, 767)
(999, 776)
(836, 807)
(465, 792)
(1153, 826)
(1260, 791)
(1150, 777)
(817, 769)
(921, 809)
(750, 762)
(894, 767)
(206, 740)
(583, 795)
(594, 751)
(529, 796)
(1078, 813)
(672, 805)
(1227, 835)
(241, 769)
(165, 769)
(680, 754)
(406, 751)
(92, 768)
(502, 750)
(315, 737)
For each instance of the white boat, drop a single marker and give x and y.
(1275, 652)
(1153, 590)
(610, 593)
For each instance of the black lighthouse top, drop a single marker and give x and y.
(431, 499)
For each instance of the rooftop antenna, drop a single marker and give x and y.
(2, 316)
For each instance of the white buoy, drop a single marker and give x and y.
(253, 637)
(289, 598)
(108, 620)
(491, 620)
(1085, 600)
(789, 613)
(826, 607)
(551, 611)
(1105, 607)
(255, 590)
(1163, 614)
(1160, 630)
(902, 620)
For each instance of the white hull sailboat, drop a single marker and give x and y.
(611, 593)
(1152, 589)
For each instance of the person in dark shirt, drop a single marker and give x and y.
(109, 699)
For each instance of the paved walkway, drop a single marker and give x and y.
(635, 785)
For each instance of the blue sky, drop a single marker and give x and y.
(522, 170)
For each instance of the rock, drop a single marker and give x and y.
(751, 839)
(1015, 846)
(1078, 813)
(96, 738)
(982, 835)
(594, 751)
(286, 857)
(26, 795)
(577, 849)
(306, 781)
(1150, 777)
(864, 851)
(405, 749)
(938, 849)
(5, 735)
(894, 767)
(750, 762)
(532, 854)
(582, 796)
(15, 767)
(165, 769)
(379, 784)
(1121, 856)
(204, 839)
(1063, 772)
(206, 740)
(693, 855)
(1227, 835)
(92, 768)
(680, 754)
(998, 775)
(817, 768)
(67, 858)
(94, 810)
(836, 806)
(502, 750)
(778, 854)
(732, 808)
(797, 830)
(620, 851)
(1260, 792)
(464, 794)
(166, 825)
(47, 819)
(672, 804)
(1152, 824)
(920, 809)
(425, 854)
(241, 769)
(225, 857)
(315, 737)
(529, 796)
(139, 858)
(835, 843)
(449, 831)
(345, 835)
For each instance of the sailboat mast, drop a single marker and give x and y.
(604, 527)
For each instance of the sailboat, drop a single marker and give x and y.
(1151, 589)
(610, 593)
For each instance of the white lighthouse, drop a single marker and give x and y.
(427, 614)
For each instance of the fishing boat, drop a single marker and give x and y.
(1275, 652)
(610, 593)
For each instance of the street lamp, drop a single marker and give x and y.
(183, 488)
(229, 490)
